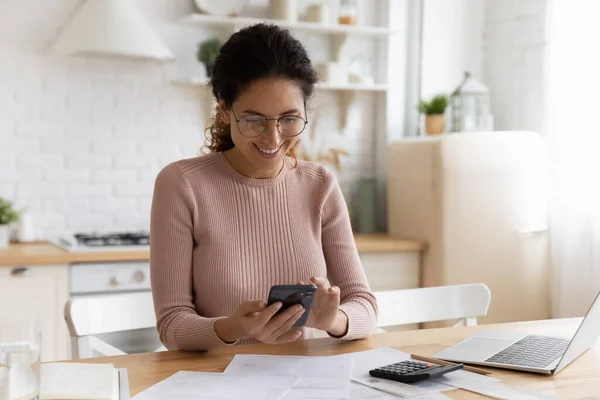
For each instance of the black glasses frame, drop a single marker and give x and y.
(276, 124)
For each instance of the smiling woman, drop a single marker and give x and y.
(228, 226)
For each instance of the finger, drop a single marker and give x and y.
(321, 283)
(253, 306)
(266, 334)
(290, 336)
(333, 290)
(287, 325)
(267, 314)
(280, 320)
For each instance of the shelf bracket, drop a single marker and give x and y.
(337, 44)
(345, 100)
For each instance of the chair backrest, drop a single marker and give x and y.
(91, 319)
(464, 302)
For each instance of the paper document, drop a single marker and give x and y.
(123, 384)
(364, 361)
(79, 381)
(362, 392)
(461, 378)
(499, 390)
(320, 389)
(185, 385)
(304, 366)
(321, 377)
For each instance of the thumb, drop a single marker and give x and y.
(249, 307)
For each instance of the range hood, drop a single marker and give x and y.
(111, 28)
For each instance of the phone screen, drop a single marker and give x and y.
(289, 295)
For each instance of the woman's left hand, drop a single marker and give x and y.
(324, 311)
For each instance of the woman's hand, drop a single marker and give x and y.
(253, 319)
(324, 312)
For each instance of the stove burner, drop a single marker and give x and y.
(113, 239)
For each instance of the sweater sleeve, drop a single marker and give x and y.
(171, 245)
(344, 268)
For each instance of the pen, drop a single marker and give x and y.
(442, 362)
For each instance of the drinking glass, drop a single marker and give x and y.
(20, 346)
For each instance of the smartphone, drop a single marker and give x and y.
(289, 295)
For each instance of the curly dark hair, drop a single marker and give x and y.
(255, 52)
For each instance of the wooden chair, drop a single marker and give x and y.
(442, 303)
(126, 319)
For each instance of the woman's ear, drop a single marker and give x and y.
(223, 112)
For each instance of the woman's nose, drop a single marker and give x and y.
(272, 133)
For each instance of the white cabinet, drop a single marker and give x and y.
(38, 292)
(392, 271)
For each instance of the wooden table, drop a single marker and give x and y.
(581, 379)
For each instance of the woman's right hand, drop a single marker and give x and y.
(253, 319)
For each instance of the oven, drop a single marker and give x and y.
(109, 278)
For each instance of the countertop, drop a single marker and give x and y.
(43, 253)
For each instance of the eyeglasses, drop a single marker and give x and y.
(252, 126)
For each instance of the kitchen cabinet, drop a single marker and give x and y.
(38, 292)
(392, 271)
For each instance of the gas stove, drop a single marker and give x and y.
(105, 241)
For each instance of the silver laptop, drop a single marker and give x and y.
(533, 353)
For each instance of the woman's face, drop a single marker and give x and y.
(261, 155)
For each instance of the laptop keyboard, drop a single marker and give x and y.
(531, 351)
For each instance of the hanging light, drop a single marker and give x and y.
(112, 28)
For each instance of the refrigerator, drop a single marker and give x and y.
(479, 202)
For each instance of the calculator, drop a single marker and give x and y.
(412, 371)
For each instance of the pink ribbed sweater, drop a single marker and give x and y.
(219, 238)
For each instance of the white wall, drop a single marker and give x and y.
(515, 62)
(81, 140)
(453, 42)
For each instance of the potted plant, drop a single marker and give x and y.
(435, 120)
(8, 215)
(207, 53)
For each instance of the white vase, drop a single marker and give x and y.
(4, 236)
(286, 10)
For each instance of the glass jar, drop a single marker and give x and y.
(348, 14)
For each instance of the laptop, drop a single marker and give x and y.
(522, 352)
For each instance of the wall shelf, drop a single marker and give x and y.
(203, 20)
(361, 87)
(346, 93)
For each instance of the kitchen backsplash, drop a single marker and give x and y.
(81, 140)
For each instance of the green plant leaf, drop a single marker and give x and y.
(437, 105)
(8, 214)
(208, 50)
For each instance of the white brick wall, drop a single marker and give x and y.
(514, 62)
(81, 140)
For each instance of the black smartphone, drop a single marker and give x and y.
(289, 295)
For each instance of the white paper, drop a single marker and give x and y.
(186, 385)
(124, 393)
(499, 390)
(364, 361)
(431, 396)
(462, 378)
(322, 377)
(389, 386)
(78, 381)
(362, 392)
(320, 389)
(304, 366)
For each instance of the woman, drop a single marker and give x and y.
(229, 225)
